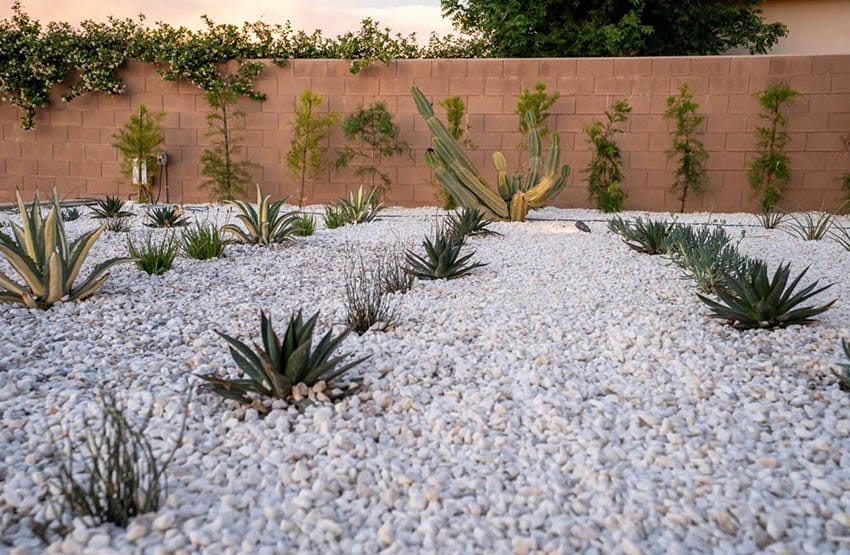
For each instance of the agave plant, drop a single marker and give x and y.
(70, 214)
(754, 300)
(360, 207)
(281, 365)
(334, 217)
(811, 227)
(844, 375)
(110, 207)
(166, 216)
(468, 221)
(646, 236)
(442, 258)
(264, 225)
(456, 172)
(40, 253)
(118, 225)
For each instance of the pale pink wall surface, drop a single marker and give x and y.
(70, 148)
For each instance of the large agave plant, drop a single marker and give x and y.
(646, 236)
(456, 172)
(754, 300)
(360, 207)
(282, 364)
(442, 258)
(264, 224)
(48, 265)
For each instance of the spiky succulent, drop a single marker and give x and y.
(334, 217)
(754, 300)
(706, 254)
(646, 236)
(70, 214)
(154, 258)
(468, 221)
(770, 220)
(442, 258)
(202, 241)
(265, 224)
(844, 374)
(166, 216)
(360, 207)
(48, 265)
(304, 225)
(811, 227)
(110, 207)
(282, 364)
(120, 224)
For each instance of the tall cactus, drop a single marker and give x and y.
(456, 172)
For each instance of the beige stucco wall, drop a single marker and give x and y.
(814, 26)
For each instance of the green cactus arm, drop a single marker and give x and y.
(471, 180)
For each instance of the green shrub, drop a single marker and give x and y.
(121, 477)
(47, 263)
(202, 241)
(154, 258)
(754, 300)
(691, 174)
(310, 130)
(538, 103)
(605, 171)
(771, 171)
(282, 364)
(139, 142)
(442, 259)
(304, 225)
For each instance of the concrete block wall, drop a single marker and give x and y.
(70, 149)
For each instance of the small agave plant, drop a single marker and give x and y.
(442, 258)
(645, 236)
(110, 207)
(166, 216)
(469, 222)
(360, 207)
(754, 300)
(280, 365)
(264, 225)
(48, 265)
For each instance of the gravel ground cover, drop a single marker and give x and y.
(571, 396)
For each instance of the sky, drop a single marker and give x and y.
(331, 16)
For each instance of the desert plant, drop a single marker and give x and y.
(770, 219)
(376, 135)
(646, 236)
(281, 365)
(691, 174)
(538, 103)
(754, 300)
(110, 207)
(227, 175)
(605, 170)
(844, 374)
(366, 301)
(394, 277)
(154, 258)
(48, 265)
(455, 111)
(442, 259)
(771, 171)
(310, 130)
(844, 178)
(811, 227)
(121, 478)
(166, 216)
(70, 214)
(335, 216)
(841, 235)
(120, 224)
(706, 254)
(360, 207)
(139, 142)
(468, 221)
(455, 171)
(304, 225)
(265, 224)
(202, 241)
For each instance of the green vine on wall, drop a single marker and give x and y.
(35, 58)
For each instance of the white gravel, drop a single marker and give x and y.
(570, 396)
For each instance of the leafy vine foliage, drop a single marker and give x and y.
(35, 58)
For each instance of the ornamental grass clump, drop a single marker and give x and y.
(770, 219)
(367, 304)
(264, 225)
(120, 476)
(811, 227)
(274, 370)
(154, 258)
(48, 265)
(334, 217)
(202, 241)
(755, 300)
(442, 259)
(644, 236)
(394, 276)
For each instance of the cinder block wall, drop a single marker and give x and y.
(71, 147)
